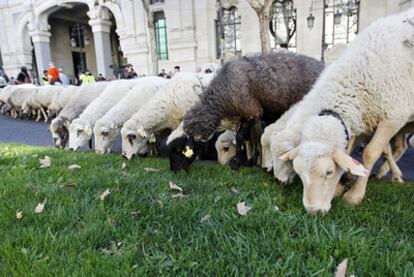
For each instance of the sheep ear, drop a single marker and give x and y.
(348, 164)
(290, 155)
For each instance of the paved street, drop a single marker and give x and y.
(36, 133)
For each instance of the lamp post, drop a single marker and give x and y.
(78, 32)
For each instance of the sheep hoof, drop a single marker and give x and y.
(353, 198)
(235, 164)
(397, 179)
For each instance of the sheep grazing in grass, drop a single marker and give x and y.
(83, 97)
(367, 91)
(106, 129)
(4, 96)
(245, 90)
(40, 100)
(61, 99)
(164, 111)
(80, 129)
(226, 146)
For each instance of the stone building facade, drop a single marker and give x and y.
(93, 34)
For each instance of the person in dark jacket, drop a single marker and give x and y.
(23, 77)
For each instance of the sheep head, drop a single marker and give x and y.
(136, 141)
(105, 135)
(182, 152)
(80, 134)
(226, 147)
(320, 161)
(59, 130)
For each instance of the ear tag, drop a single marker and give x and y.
(234, 142)
(152, 138)
(142, 133)
(188, 152)
(88, 131)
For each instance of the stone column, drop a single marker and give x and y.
(41, 41)
(101, 35)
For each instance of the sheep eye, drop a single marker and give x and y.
(226, 149)
(329, 173)
(79, 132)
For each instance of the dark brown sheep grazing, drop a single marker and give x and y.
(245, 90)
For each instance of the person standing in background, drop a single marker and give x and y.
(53, 74)
(88, 78)
(4, 75)
(131, 74)
(177, 69)
(45, 80)
(100, 78)
(23, 77)
(64, 78)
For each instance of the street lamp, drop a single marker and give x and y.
(311, 20)
(78, 33)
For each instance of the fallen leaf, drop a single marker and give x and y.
(178, 195)
(242, 209)
(341, 269)
(123, 173)
(205, 218)
(234, 190)
(74, 167)
(40, 207)
(70, 185)
(174, 186)
(45, 162)
(19, 214)
(150, 169)
(104, 194)
(161, 204)
(123, 166)
(135, 212)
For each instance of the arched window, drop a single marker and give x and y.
(282, 24)
(341, 21)
(160, 26)
(228, 32)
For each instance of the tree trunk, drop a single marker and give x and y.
(153, 45)
(263, 11)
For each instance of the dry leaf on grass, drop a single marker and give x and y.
(123, 166)
(178, 195)
(74, 167)
(104, 194)
(234, 190)
(19, 214)
(341, 269)
(40, 207)
(174, 186)
(242, 209)
(150, 169)
(45, 162)
(135, 212)
(70, 185)
(205, 218)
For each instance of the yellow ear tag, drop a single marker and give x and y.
(152, 138)
(142, 133)
(88, 131)
(188, 152)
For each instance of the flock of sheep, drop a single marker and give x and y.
(283, 111)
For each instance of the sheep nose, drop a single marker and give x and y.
(142, 155)
(71, 148)
(316, 211)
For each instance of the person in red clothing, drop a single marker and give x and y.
(53, 74)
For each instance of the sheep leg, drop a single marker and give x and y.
(39, 115)
(44, 114)
(400, 147)
(385, 131)
(396, 172)
(241, 135)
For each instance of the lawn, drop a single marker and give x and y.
(143, 228)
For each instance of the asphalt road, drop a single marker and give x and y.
(36, 133)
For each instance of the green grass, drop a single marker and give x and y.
(140, 229)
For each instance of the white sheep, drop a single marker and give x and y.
(18, 97)
(80, 129)
(368, 90)
(61, 99)
(107, 128)
(40, 100)
(226, 146)
(83, 97)
(164, 111)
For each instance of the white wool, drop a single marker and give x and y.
(43, 96)
(62, 98)
(137, 97)
(369, 83)
(226, 139)
(170, 104)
